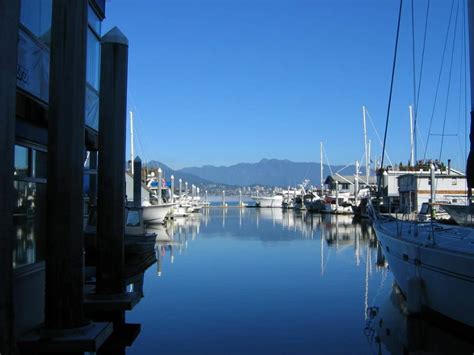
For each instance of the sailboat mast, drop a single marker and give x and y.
(367, 170)
(131, 140)
(412, 138)
(321, 166)
(470, 159)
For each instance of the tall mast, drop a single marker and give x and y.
(470, 159)
(321, 167)
(367, 170)
(131, 140)
(369, 149)
(412, 138)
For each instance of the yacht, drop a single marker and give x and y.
(338, 204)
(268, 201)
(155, 214)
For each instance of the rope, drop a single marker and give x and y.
(391, 86)
(415, 123)
(449, 82)
(413, 53)
(329, 165)
(377, 134)
(439, 79)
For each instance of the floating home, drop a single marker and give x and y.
(347, 183)
(63, 98)
(415, 189)
(405, 189)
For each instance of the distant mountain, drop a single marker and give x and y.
(190, 178)
(270, 172)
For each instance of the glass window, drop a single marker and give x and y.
(39, 164)
(29, 218)
(133, 218)
(36, 16)
(94, 20)
(93, 59)
(92, 108)
(21, 161)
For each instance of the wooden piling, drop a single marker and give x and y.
(112, 131)
(65, 171)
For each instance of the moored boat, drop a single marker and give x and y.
(268, 201)
(155, 214)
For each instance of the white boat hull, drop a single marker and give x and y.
(265, 201)
(446, 270)
(155, 214)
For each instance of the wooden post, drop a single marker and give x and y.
(137, 182)
(9, 15)
(112, 132)
(65, 238)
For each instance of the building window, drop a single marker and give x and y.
(93, 59)
(30, 221)
(93, 69)
(21, 161)
(35, 15)
(94, 21)
(29, 213)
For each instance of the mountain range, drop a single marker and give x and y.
(268, 172)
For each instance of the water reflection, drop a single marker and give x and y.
(266, 281)
(389, 329)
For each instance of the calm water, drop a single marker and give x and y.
(232, 281)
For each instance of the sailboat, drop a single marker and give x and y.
(433, 264)
(152, 213)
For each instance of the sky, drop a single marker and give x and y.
(226, 81)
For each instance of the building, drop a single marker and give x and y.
(31, 133)
(415, 189)
(52, 55)
(347, 183)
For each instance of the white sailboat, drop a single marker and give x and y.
(433, 264)
(152, 213)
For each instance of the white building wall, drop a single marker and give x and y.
(448, 189)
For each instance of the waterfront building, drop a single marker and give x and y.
(415, 189)
(347, 183)
(31, 144)
(49, 101)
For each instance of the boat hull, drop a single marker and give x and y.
(446, 276)
(155, 214)
(274, 201)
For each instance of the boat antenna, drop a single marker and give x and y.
(390, 95)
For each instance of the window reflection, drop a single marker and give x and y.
(29, 219)
(35, 15)
(93, 59)
(94, 21)
(133, 218)
(39, 164)
(21, 161)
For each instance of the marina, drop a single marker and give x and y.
(105, 250)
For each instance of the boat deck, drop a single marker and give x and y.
(454, 238)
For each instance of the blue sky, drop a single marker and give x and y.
(227, 81)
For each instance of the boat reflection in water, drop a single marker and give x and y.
(389, 328)
(247, 280)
